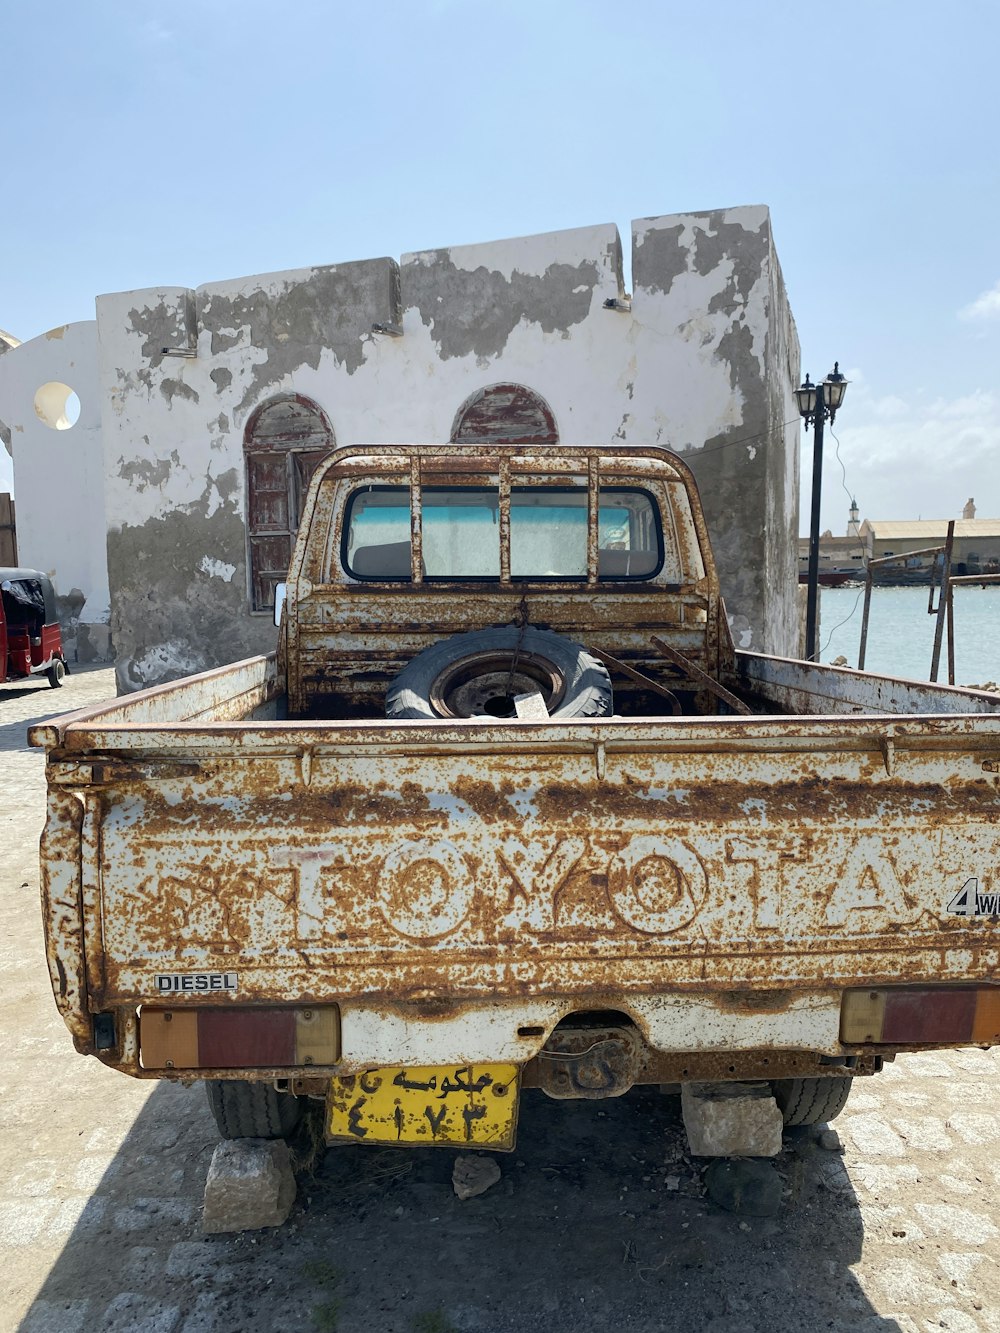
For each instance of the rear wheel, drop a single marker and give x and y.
(811, 1101)
(56, 673)
(244, 1110)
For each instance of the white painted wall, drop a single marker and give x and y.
(59, 473)
(704, 363)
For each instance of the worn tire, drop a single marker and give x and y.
(56, 673)
(811, 1101)
(454, 678)
(245, 1110)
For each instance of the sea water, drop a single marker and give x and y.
(901, 633)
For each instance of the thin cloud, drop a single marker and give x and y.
(924, 461)
(155, 33)
(985, 306)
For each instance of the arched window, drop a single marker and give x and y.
(510, 413)
(284, 440)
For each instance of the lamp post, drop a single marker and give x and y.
(817, 403)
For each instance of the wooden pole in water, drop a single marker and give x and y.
(942, 607)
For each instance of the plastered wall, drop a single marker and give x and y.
(59, 477)
(704, 361)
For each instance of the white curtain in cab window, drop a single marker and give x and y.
(461, 531)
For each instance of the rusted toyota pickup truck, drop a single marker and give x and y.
(507, 811)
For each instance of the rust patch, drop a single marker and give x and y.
(453, 867)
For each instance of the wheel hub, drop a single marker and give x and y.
(484, 685)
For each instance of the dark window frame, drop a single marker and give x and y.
(495, 412)
(437, 579)
(300, 449)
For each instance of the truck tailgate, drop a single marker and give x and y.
(330, 861)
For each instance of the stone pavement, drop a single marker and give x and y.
(599, 1220)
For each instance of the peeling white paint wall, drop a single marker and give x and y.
(704, 362)
(59, 477)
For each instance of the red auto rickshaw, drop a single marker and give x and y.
(30, 637)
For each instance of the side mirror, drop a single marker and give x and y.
(280, 593)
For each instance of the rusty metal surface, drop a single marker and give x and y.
(228, 693)
(381, 869)
(812, 689)
(461, 887)
(614, 664)
(952, 582)
(694, 672)
(943, 575)
(350, 638)
(669, 1069)
(589, 1063)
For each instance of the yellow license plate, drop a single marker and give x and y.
(474, 1105)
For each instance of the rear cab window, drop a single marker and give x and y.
(461, 537)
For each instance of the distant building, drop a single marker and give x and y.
(976, 547)
(841, 559)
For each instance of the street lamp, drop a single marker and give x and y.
(817, 403)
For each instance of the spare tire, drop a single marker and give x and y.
(469, 675)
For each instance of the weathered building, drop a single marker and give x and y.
(976, 547)
(59, 476)
(214, 405)
(840, 558)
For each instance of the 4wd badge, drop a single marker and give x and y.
(968, 901)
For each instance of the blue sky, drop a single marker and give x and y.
(184, 144)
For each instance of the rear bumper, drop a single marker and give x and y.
(684, 1035)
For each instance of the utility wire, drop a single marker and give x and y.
(843, 470)
(763, 435)
(745, 439)
(850, 614)
(842, 623)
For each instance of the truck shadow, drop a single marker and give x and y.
(8, 692)
(599, 1221)
(14, 735)
(22, 706)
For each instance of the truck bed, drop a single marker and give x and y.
(712, 877)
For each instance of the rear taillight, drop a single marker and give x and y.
(238, 1038)
(931, 1016)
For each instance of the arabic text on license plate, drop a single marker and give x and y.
(471, 1104)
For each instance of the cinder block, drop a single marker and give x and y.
(250, 1185)
(731, 1119)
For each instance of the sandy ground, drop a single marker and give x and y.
(599, 1221)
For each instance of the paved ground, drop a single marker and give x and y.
(599, 1220)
